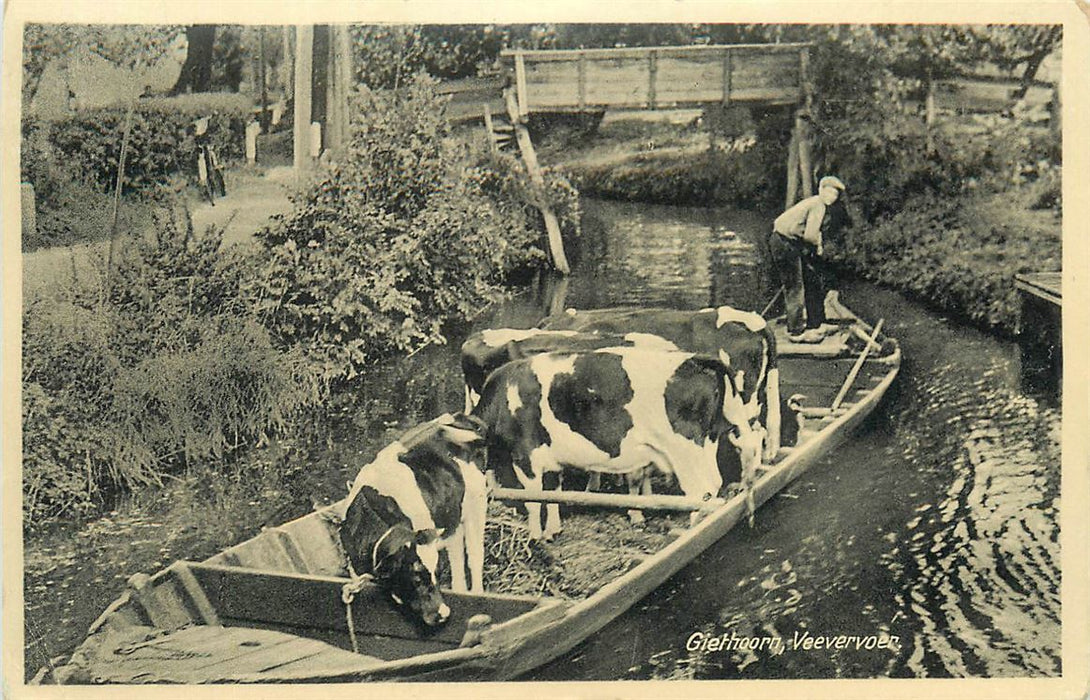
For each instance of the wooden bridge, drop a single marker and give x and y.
(665, 77)
(644, 78)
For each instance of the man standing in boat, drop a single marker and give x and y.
(795, 245)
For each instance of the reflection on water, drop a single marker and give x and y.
(936, 528)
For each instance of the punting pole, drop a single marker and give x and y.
(612, 500)
(773, 301)
(858, 365)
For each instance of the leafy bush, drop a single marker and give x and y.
(703, 179)
(959, 255)
(127, 381)
(161, 143)
(410, 230)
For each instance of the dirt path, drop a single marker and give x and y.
(253, 198)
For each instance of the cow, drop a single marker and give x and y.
(740, 338)
(486, 351)
(424, 492)
(614, 410)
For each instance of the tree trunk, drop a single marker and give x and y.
(929, 112)
(196, 74)
(1033, 64)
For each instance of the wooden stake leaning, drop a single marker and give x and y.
(858, 366)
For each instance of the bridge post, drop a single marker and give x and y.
(526, 147)
(792, 169)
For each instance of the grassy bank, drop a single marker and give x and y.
(958, 255)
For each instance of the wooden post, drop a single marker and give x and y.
(792, 169)
(345, 78)
(802, 128)
(263, 79)
(526, 147)
(304, 48)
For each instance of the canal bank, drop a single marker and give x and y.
(959, 453)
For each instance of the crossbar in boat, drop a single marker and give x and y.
(608, 500)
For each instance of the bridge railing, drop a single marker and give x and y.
(661, 77)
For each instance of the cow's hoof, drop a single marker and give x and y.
(636, 517)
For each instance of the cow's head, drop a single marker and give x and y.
(411, 584)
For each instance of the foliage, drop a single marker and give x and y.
(387, 56)
(139, 374)
(409, 230)
(704, 179)
(161, 142)
(959, 255)
(125, 45)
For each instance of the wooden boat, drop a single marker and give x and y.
(272, 609)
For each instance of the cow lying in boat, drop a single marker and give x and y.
(486, 351)
(742, 339)
(614, 410)
(422, 493)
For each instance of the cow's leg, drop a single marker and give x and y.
(474, 516)
(773, 421)
(551, 481)
(455, 546)
(639, 482)
(594, 481)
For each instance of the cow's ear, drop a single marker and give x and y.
(424, 537)
(462, 429)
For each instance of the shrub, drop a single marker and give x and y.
(410, 230)
(959, 255)
(160, 141)
(126, 382)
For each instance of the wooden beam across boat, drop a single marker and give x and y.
(609, 500)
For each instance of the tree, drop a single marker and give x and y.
(1011, 45)
(127, 46)
(196, 75)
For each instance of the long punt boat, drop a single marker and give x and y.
(273, 608)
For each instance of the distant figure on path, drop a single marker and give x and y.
(795, 245)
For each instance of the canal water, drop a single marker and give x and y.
(934, 532)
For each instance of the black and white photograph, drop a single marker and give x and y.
(682, 346)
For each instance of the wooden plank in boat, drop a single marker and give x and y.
(314, 536)
(172, 656)
(307, 601)
(328, 661)
(830, 372)
(263, 552)
(265, 657)
(207, 653)
(161, 600)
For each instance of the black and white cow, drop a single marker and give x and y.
(742, 339)
(486, 351)
(614, 410)
(422, 493)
